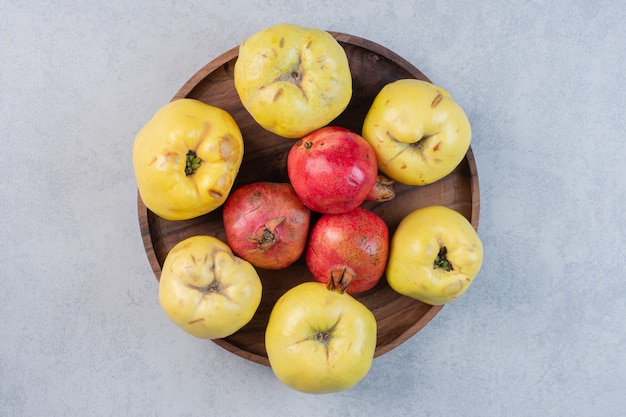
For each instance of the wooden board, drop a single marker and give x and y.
(372, 66)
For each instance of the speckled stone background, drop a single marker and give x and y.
(540, 333)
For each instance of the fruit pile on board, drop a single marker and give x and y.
(294, 81)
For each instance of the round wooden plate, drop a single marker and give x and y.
(265, 155)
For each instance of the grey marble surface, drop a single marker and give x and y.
(541, 332)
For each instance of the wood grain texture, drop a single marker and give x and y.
(372, 66)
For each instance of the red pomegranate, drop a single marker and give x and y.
(266, 224)
(333, 170)
(348, 251)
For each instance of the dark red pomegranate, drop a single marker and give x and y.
(266, 224)
(348, 251)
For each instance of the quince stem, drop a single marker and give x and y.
(192, 162)
(441, 261)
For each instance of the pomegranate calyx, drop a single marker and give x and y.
(383, 190)
(265, 237)
(340, 279)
